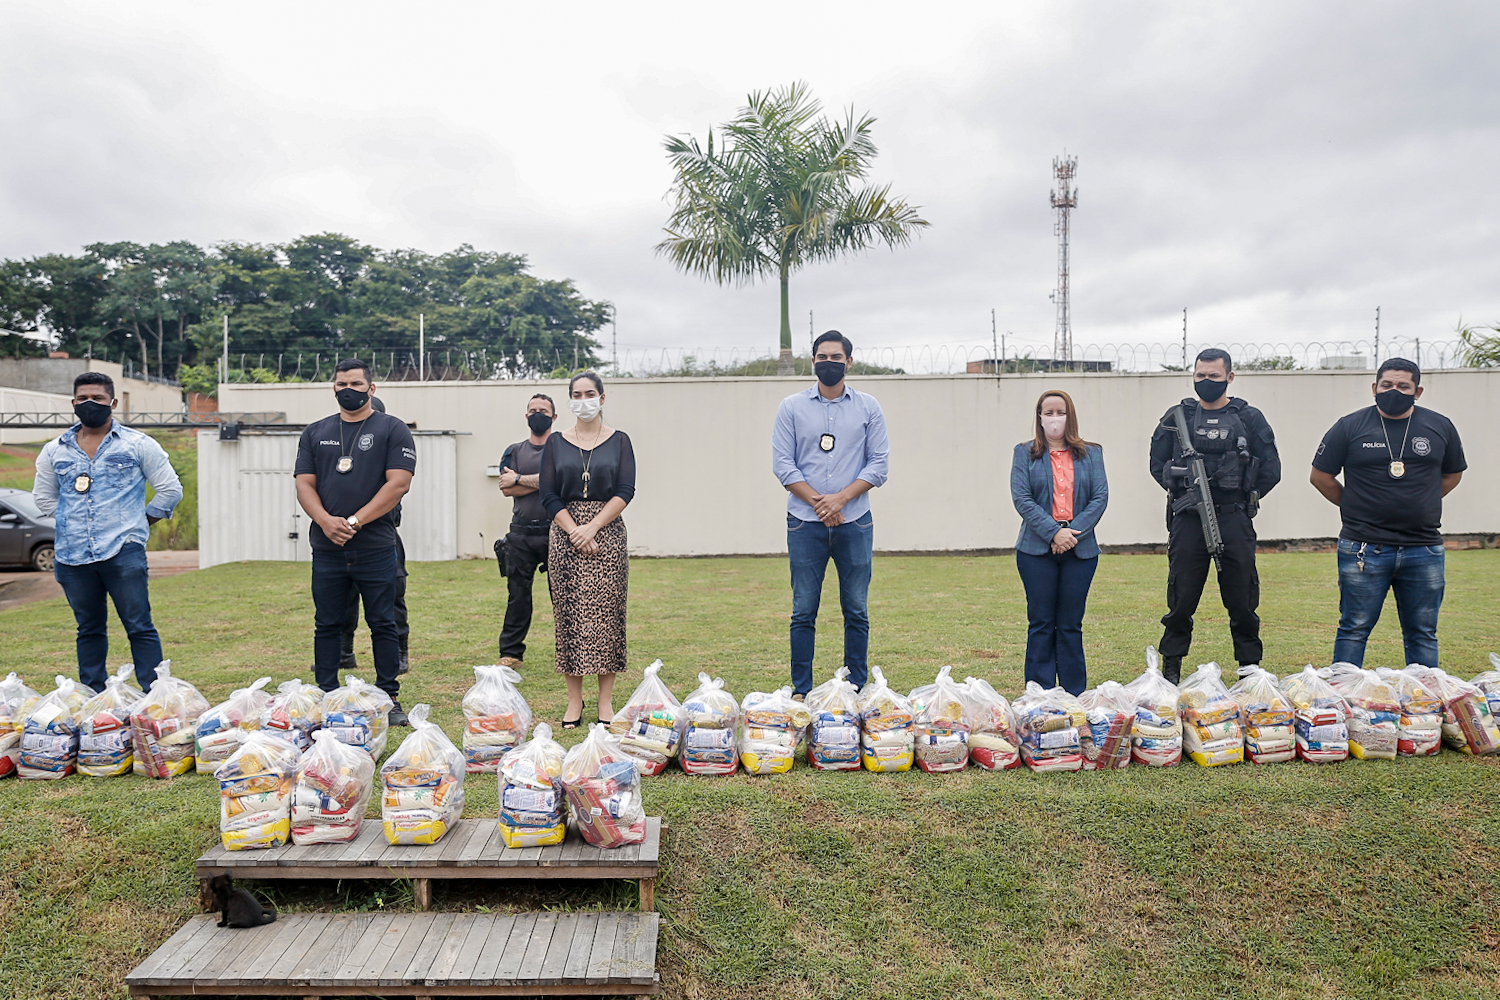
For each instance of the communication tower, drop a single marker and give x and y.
(1064, 200)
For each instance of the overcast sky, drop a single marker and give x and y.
(1278, 168)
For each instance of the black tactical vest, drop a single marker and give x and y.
(1220, 437)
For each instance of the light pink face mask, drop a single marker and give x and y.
(1052, 426)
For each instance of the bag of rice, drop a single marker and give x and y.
(294, 713)
(711, 716)
(255, 792)
(1105, 742)
(1266, 714)
(496, 718)
(358, 714)
(1048, 721)
(104, 740)
(1321, 720)
(1156, 734)
(773, 721)
(533, 806)
(650, 724)
(222, 729)
(833, 709)
(942, 722)
(1419, 728)
(1211, 732)
(49, 735)
(603, 789)
(422, 784)
(164, 724)
(888, 740)
(333, 784)
(993, 743)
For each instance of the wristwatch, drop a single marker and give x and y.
(353, 521)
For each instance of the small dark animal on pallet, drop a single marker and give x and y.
(239, 907)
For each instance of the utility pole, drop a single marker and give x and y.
(224, 364)
(614, 344)
(1377, 335)
(994, 343)
(1184, 338)
(812, 332)
(421, 347)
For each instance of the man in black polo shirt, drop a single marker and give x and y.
(352, 469)
(1399, 460)
(526, 544)
(347, 661)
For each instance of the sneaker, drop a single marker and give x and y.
(511, 661)
(398, 714)
(403, 665)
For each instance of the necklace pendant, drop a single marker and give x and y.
(1398, 469)
(345, 464)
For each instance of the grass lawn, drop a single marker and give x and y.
(1366, 879)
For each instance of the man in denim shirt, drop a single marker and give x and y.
(93, 481)
(829, 448)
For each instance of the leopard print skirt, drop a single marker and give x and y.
(588, 595)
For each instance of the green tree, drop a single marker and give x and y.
(1272, 363)
(1481, 345)
(782, 189)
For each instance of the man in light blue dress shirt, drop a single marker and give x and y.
(93, 481)
(829, 449)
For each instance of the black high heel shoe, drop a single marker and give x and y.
(575, 723)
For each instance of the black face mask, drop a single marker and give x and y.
(538, 421)
(92, 413)
(830, 373)
(1393, 402)
(352, 399)
(1209, 391)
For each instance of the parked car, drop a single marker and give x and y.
(26, 537)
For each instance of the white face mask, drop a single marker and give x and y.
(586, 409)
(1052, 426)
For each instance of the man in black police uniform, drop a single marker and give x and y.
(352, 469)
(347, 662)
(1399, 460)
(1239, 455)
(525, 547)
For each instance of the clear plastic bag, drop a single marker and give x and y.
(49, 735)
(942, 726)
(993, 743)
(1266, 714)
(1473, 729)
(833, 711)
(533, 806)
(1488, 681)
(1321, 722)
(104, 740)
(1048, 721)
(334, 781)
(496, 718)
(1211, 733)
(1105, 741)
(773, 722)
(889, 740)
(650, 725)
(710, 739)
(422, 784)
(1156, 739)
(164, 725)
(15, 700)
(294, 713)
(603, 788)
(1419, 727)
(222, 728)
(255, 792)
(358, 714)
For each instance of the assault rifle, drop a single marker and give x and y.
(1195, 477)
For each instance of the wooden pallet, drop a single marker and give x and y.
(472, 849)
(408, 954)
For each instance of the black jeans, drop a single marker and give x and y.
(1239, 584)
(525, 554)
(372, 574)
(351, 618)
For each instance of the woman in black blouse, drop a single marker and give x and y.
(588, 476)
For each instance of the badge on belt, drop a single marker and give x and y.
(826, 442)
(82, 483)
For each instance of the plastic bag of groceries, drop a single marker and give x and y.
(603, 787)
(1048, 721)
(332, 791)
(650, 725)
(294, 713)
(1419, 727)
(533, 806)
(359, 715)
(1321, 720)
(889, 738)
(833, 710)
(1266, 715)
(1374, 716)
(496, 718)
(15, 699)
(164, 725)
(773, 720)
(710, 738)
(222, 728)
(49, 734)
(1488, 681)
(942, 725)
(1105, 741)
(993, 743)
(1156, 739)
(255, 792)
(1211, 733)
(422, 784)
(1472, 728)
(104, 740)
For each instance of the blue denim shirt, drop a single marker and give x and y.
(1031, 491)
(861, 449)
(93, 526)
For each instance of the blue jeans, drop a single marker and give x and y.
(1057, 592)
(336, 575)
(1366, 572)
(851, 546)
(122, 578)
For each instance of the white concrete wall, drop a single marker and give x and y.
(26, 401)
(704, 455)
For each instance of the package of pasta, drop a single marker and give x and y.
(1156, 734)
(649, 726)
(993, 744)
(164, 725)
(1105, 741)
(710, 738)
(603, 787)
(942, 725)
(533, 806)
(255, 792)
(104, 740)
(422, 784)
(358, 714)
(332, 790)
(1048, 721)
(15, 700)
(496, 718)
(49, 733)
(294, 713)
(1321, 719)
(888, 740)
(1266, 715)
(222, 728)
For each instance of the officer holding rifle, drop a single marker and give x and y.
(1216, 457)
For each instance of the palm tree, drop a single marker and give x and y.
(778, 192)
